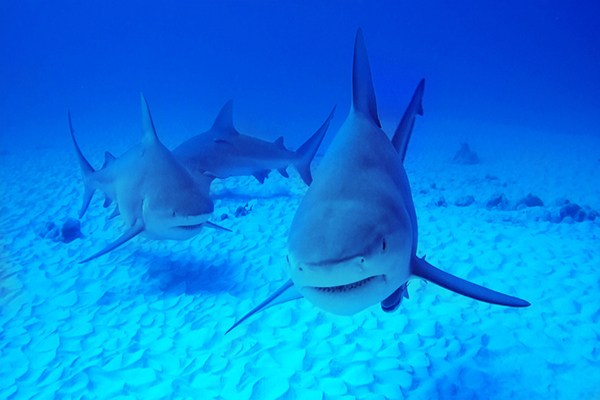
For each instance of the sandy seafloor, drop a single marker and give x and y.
(148, 320)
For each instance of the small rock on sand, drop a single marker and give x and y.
(465, 156)
(497, 200)
(531, 201)
(464, 201)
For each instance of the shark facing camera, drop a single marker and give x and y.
(175, 222)
(154, 194)
(353, 240)
(350, 261)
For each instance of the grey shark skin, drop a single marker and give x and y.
(222, 152)
(353, 239)
(154, 194)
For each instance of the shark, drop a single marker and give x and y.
(353, 240)
(154, 194)
(222, 152)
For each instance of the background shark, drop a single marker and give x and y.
(353, 240)
(154, 194)
(222, 152)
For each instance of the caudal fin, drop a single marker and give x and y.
(307, 151)
(86, 170)
(423, 269)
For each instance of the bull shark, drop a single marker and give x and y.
(353, 239)
(154, 194)
(222, 152)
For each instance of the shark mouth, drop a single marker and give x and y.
(348, 287)
(190, 227)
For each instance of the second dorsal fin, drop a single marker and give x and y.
(108, 159)
(279, 143)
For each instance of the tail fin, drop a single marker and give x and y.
(423, 269)
(307, 151)
(86, 170)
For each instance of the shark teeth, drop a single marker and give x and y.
(345, 288)
(190, 227)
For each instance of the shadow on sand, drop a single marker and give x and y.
(191, 276)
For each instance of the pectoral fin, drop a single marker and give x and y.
(421, 268)
(287, 292)
(215, 226)
(128, 235)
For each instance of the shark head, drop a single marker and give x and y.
(177, 214)
(174, 204)
(345, 256)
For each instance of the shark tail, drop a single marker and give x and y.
(423, 269)
(86, 170)
(307, 151)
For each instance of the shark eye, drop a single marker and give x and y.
(383, 244)
(287, 258)
(173, 213)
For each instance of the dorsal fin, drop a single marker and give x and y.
(147, 124)
(404, 131)
(224, 121)
(108, 159)
(279, 143)
(363, 94)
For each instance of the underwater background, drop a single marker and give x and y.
(517, 81)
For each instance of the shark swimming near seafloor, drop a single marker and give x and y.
(222, 152)
(154, 194)
(353, 239)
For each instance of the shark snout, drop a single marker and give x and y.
(344, 287)
(191, 220)
(330, 272)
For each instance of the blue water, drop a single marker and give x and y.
(285, 64)
(519, 80)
